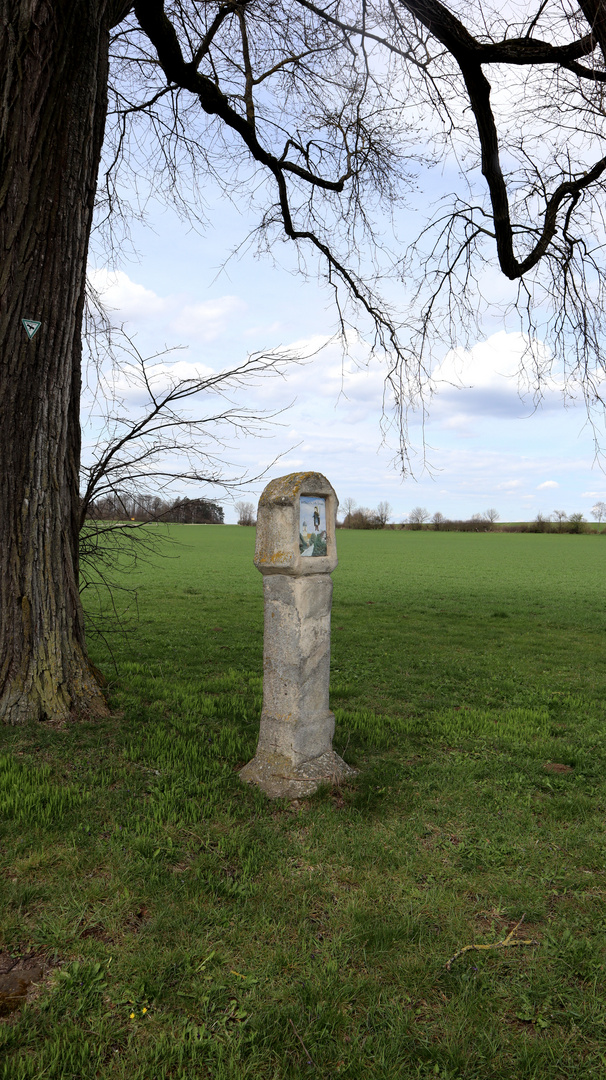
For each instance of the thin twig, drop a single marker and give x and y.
(504, 944)
(309, 1057)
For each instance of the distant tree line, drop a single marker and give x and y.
(140, 507)
(558, 522)
(123, 506)
(359, 517)
(419, 518)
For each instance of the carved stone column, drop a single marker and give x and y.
(296, 553)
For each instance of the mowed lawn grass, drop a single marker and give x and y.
(192, 928)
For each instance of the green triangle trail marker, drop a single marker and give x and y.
(30, 327)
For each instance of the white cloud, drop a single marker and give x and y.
(492, 379)
(461, 424)
(547, 484)
(208, 319)
(130, 302)
(328, 387)
(161, 376)
(270, 328)
(490, 363)
(120, 294)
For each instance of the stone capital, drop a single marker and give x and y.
(296, 524)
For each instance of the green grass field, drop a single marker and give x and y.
(190, 928)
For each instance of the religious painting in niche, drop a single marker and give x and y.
(312, 525)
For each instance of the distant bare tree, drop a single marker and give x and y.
(246, 513)
(363, 518)
(541, 522)
(479, 522)
(576, 522)
(491, 515)
(438, 519)
(560, 516)
(418, 516)
(348, 505)
(599, 512)
(383, 513)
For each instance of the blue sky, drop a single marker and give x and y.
(485, 446)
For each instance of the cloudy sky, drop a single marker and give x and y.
(485, 445)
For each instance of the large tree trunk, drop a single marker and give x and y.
(53, 74)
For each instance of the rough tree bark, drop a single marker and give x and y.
(54, 60)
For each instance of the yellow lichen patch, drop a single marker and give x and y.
(277, 557)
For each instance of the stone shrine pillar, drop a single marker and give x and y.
(296, 552)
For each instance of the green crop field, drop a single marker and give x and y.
(187, 927)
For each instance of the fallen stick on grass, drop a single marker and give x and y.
(504, 944)
(310, 1060)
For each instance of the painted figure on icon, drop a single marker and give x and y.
(312, 516)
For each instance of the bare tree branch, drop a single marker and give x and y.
(344, 107)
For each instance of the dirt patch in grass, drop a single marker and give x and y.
(98, 932)
(18, 976)
(135, 921)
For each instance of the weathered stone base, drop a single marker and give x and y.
(285, 781)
